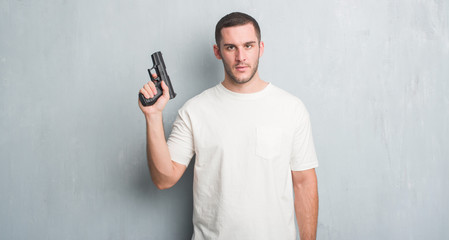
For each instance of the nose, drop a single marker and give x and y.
(240, 55)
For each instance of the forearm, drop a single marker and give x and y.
(158, 155)
(306, 207)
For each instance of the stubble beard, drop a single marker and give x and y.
(237, 80)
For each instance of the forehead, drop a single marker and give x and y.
(238, 34)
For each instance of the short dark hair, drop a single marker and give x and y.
(235, 19)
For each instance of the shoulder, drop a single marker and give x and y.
(292, 106)
(287, 98)
(204, 98)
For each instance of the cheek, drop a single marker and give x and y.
(255, 53)
(228, 58)
(255, 56)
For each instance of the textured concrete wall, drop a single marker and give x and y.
(374, 75)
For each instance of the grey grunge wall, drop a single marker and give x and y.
(373, 74)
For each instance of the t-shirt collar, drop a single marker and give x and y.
(244, 96)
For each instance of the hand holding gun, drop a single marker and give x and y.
(154, 89)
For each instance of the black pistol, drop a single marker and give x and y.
(159, 67)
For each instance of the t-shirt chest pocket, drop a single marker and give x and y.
(268, 142)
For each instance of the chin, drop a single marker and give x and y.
(241, 81)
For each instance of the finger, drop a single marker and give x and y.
(149, 83)
(154, 75)
(147, 87)
(153, 88)
(145, 93)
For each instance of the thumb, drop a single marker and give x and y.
(165, 91)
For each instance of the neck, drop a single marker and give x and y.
(254, 85)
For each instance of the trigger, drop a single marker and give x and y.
(152, 73)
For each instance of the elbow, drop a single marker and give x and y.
(164, 179)
(162, 185)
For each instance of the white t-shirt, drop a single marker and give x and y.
(246, 146)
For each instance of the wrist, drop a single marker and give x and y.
(155, 116)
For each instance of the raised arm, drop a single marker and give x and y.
(306, 202)
(164, 172)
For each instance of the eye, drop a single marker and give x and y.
(230, 47)
(249, 46)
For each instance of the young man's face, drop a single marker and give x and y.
(240, 51)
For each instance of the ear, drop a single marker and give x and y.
(261, 48)
(217, 52)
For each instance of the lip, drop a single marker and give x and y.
(241, 68)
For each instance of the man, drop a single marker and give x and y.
(252, 142)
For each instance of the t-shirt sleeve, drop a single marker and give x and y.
(303, 151)
(180, 141)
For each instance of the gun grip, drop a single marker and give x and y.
(150, 101)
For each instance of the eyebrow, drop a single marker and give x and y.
(230, 44)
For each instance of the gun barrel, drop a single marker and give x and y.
(157, 59)
(161, 71)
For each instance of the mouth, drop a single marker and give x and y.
(241, 68)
